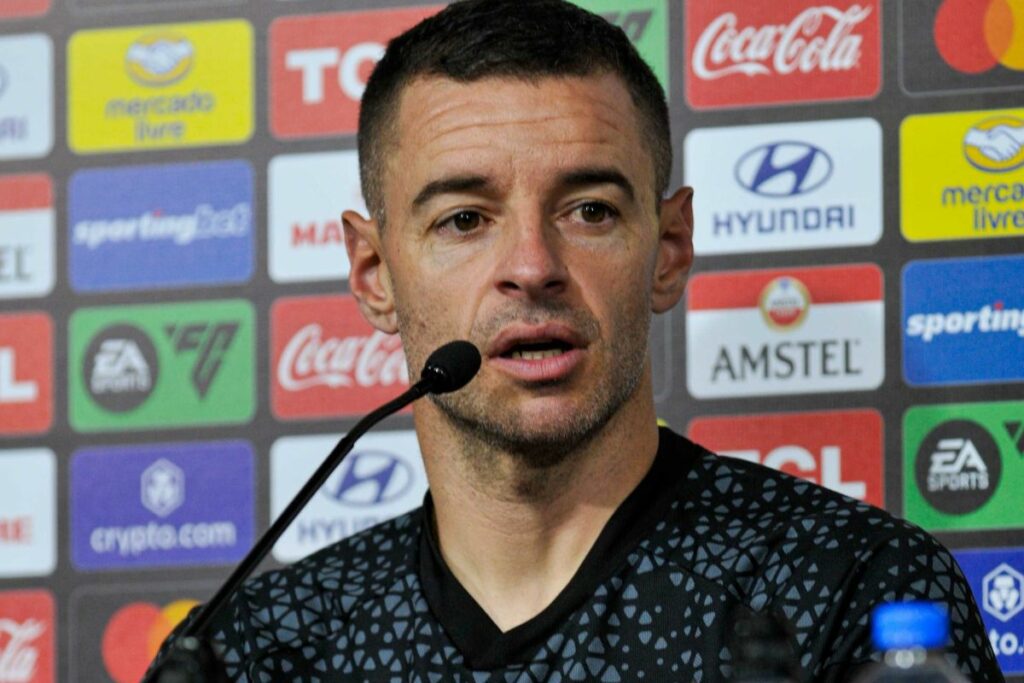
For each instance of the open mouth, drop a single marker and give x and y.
(537, 350)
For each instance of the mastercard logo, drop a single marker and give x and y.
(996, 144)
(135, 633)
(784, 303)
(973, 36)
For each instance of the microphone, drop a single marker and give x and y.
(191, 660)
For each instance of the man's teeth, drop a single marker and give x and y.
(537, 355)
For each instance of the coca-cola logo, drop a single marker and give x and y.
(310, 359)
(801, 45)
(19, 657)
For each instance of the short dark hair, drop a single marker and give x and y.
(474, 39)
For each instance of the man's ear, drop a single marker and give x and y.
(368, 276)
(675, 250)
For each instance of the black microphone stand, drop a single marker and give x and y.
(191, 659)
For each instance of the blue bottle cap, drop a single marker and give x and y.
(908, 625)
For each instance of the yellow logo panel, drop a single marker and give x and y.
(153, 87)
(962, 175)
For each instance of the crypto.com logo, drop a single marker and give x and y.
(1003, 592)
(973, 36)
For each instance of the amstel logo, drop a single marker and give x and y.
(996, 144)
(134, 634)
(784, 303)
(159, 59)
(973, 36)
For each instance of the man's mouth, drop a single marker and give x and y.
(539, 350)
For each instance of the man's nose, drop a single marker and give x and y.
(532, 261)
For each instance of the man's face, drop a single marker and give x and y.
(521, 216)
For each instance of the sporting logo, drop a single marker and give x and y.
(28, 627)
(771, 53)
(175, 85)
(171, 365)
(962, 465)
(28, 513)
(961, 45)
(26, 96)
(996, 578)
(327, 360)
(957, 177)
(171, 504)
(840, 450)
(786, 186)
(319, 65)
(26, 373)
(963, 321)
(382, 478)
(308, 193)
(27, 236)
(785, 331)
(645, 22)
(174, 225)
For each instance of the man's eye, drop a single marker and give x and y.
(595, 212)
(463, 221)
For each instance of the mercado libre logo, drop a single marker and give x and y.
(958, 175)
(741, 54)
(957, 45)
(168, 365)
(177, 85)
(963, 464)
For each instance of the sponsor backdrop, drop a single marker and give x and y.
(179, 347)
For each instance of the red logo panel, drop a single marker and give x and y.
(840, 450)
(327, 361)
(26, 636)
(10, 9)
(319, 65)
(747, 53)
(26, 373)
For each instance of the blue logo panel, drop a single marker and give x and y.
(161, 505)
(963, 321)
(996, 578)
(167, 226)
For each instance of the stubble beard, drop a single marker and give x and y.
(487, 430)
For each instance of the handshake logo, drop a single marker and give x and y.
(996, 144)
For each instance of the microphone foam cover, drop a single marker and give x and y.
(450, 367)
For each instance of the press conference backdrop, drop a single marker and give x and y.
(178, 345)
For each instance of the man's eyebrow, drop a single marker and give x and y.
(461, 183)
(585, 177)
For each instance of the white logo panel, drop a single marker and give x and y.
(308, 193)
(28, 512)
(785, 186)
(26, 253)
(26, 96)
(381, 478)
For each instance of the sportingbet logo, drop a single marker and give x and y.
(840, 450)
(957, 179)
(958, 45)
(27, 636)
(786, 186)
(328, 361)
(787, 331)
(319, 65)
(997, 581)
(381, 479)
(174, 504)
(172, 365)
(963, 465)
(963, 321)
(781, 52)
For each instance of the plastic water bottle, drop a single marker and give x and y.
(910, 635)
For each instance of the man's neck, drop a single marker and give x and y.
(514, 535)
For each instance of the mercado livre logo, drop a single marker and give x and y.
(178, 85)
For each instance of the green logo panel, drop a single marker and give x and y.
(646, 24)
(963, 465)
(163, 365)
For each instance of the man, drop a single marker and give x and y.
(514, 155)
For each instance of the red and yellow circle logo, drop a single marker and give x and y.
(973, 36)
(784, 303)
(134, 634)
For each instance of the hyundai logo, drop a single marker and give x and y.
(370, 478)
(783, 169)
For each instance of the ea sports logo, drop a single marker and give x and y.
(120, 368)
(958, 467)
(784, 303)
(973, 36)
